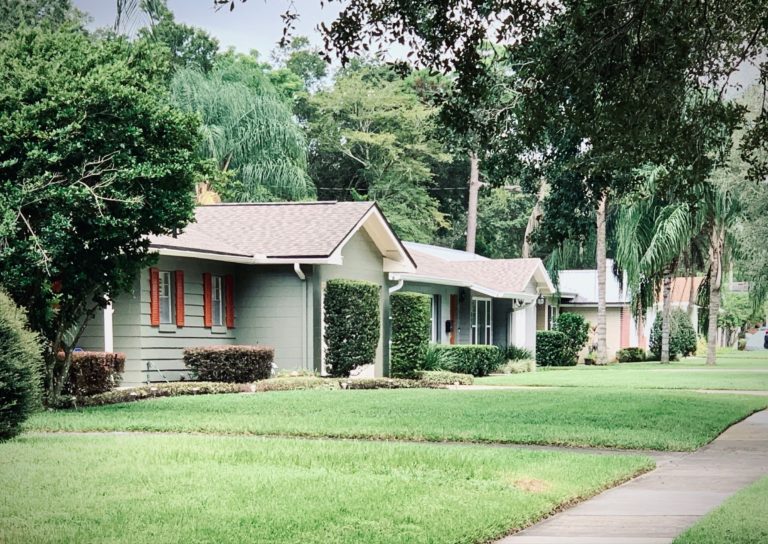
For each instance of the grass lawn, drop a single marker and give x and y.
(742, 519)
(731, 372)
(663, 420)
(157, 489)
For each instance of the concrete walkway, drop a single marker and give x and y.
(658, 506)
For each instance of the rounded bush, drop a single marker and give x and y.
(576, 330)
(352, 325)
(554, 349)
(411, 322)
(477, 360)
(630, 355)
(682, 336)
(21, 366)
(230, 364)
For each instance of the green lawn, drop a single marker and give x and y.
(742, 519)
(663, 420)
(158, 489)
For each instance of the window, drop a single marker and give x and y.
(217, 300)
(166, 297)
(435, 337)
(552, 314)
(481, 321)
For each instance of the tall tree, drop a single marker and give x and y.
(93, 158)
(247, 129)
(15, 14)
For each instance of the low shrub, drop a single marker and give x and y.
(295, 384)
(230, 364)
(742, 344)
(701, 346)
(352, 325)
(630, 355)
(443, 377)
(554, 349)
(514, 353)
(93, 372)
(576, 331)
(380, 383)
(21, 365)
(411, 322)
(518, 367)
(477, 360)
(432, 357)
(173, 389)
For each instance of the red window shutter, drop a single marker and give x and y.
(179, 298)
(154, 297)
(229, 294)
(207, 304)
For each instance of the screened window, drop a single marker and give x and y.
(166, 297)
(217, 300)
(435, 337)
(480, 319)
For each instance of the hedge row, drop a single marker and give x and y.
(553, 349)
(411, 322)
(443, 377)
(230, 364)
(682, 336)
(352, 325)
(93, 372)
(477, 360)
(630, 355)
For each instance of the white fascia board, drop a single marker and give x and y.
(397, 266)
(237, 259)
(413, 278)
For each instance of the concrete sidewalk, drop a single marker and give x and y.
(658, 506)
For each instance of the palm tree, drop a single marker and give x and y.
(651, 234)
(247, 130)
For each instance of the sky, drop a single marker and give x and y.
(255, 24)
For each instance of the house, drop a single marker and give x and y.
(578, 294)
(476, 300)
(256, 273)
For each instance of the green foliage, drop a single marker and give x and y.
(230, 364)
(372, 138)
(20, 369)
(477, 360)
(144, 392)
(352, 325)
(411, 321)
(520, 366)
(682, 336)
(576, 330)
(93, 159)
(630, 355)
(738, 311)
(247, 129)
(15, 14)
(94, 372)
(443, 377)
(515, 353)
(554, 349)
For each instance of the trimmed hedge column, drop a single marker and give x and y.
(411, 323)
(553, 349)
(352, 325)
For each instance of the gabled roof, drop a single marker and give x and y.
(499, 278)
(580, 286)
(303, 232)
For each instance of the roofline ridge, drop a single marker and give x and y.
(295, 203)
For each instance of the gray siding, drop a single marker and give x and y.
(445, 292)
(362, 261)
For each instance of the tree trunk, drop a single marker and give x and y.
(691, 291)
(665, 313)
(533, 219)
(474, 188)
(716, 242)
(602, 348)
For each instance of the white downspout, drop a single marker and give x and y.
(109, 345)
(396, 287)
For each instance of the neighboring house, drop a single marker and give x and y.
(578, 294)
(256, 273)
(476, 300)
(682, 297)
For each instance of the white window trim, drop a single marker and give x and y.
(436, 334)
(488, 322)
(220, 302)
(166, 279)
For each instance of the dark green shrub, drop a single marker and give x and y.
(477, 360)
(443, 377)
(742, 344)
(576, 330)
(230, 364)
(94, 372)
(381, 383)
(21, 366)
(554, 349)
(411, 322)
(682, 336)
(630, 355)
(352, 325)
(432, 357)
(514, 353)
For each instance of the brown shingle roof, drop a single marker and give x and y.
(311, 229)
(498, 275)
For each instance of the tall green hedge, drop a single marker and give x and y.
(553, 349)
(411, 322)
(21, 365)
(682, 336)
(352, 325)
(576, 330)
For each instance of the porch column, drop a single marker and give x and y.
(108, 336)
(519, 327)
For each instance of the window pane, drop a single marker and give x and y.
(218, 303)
(166, 298)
